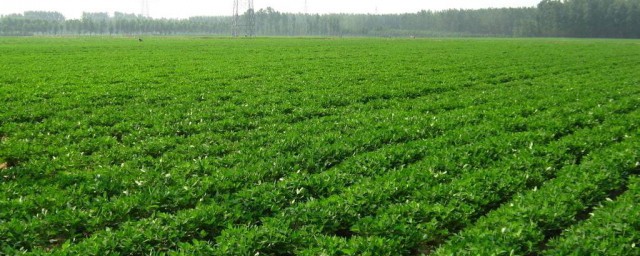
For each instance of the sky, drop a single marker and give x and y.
(72, 9)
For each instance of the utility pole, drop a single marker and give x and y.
(244, 18)
(145, 9)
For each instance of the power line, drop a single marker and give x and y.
(145, 9)
(244, 18)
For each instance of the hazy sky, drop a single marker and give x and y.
(187, 8)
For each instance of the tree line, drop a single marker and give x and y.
(550, 18)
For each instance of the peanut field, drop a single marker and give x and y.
(319, 146)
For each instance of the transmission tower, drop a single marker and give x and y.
(306, 7)
(145, 9)
(244, 18)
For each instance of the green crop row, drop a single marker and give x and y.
(613, 228)
(523, 225)
(421, 224)
(269, 197)
(212, 146)
(253, 205)
(107, 179)
(418, 220)
(280, 228)
(124, 209)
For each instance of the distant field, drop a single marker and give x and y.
(319, 146)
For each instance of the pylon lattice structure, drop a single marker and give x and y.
(145, 9)
(244, 18)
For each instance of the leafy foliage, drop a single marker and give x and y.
(317, 146)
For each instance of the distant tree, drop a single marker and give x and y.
(573, 18)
